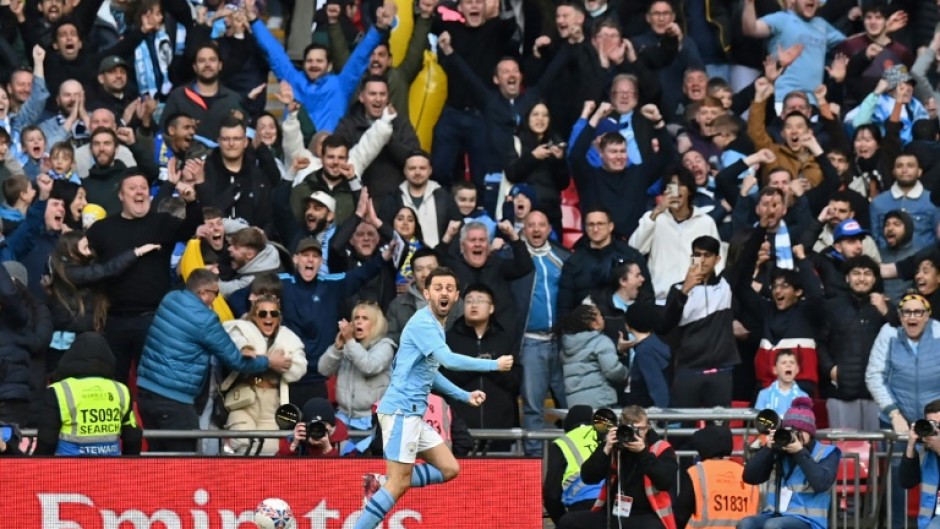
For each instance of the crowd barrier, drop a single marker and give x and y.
(861, 498)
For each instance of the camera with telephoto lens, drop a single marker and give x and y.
(783, 437)
(769, 420)
(288, 415)
(925, 428)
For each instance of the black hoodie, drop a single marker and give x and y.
(89, 356)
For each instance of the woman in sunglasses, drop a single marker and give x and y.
(252, 400)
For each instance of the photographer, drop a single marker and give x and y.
(914, 471)
(803, 471)
(640, 471)
(317, 414)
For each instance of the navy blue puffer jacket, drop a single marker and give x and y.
(184, 334)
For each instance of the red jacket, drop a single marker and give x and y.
(339, 436)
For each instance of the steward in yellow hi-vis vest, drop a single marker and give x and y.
(562, 489)
(85, 412)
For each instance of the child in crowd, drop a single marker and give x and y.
(18, 194)
(779, 395)
(34, 148)
(649, 359)
(9, 165)
(720, 90)
(731, 145)
(465, 196)
(519, 202)
(589, 359)
(62, 162)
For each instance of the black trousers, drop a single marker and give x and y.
(126, 336)
(14, 411)
(161, 413)
(695, 389)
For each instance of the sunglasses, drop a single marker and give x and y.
(267, 313)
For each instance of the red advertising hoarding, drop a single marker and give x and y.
(221, 493)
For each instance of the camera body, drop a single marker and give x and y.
(768, 420)
(288, 415)
(925, 428)
(626, 433)
(783, 437)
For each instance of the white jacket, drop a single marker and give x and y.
(668, 246)
(260, 414)
(360, 155)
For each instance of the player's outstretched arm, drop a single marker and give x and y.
(458, 362)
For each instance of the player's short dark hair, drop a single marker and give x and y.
(442, 271)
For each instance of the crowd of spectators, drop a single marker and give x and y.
(653, 203)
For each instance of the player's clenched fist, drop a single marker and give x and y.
(504, 363)
(477, 398)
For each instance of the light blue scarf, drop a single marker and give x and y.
(165, 51)
(911, 112)
(783, 249)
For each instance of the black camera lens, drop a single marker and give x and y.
(626, 433)
(783, 437)
(316, 430)
(925, 428)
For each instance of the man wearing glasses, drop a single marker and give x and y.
(639, 468)
(478, 335)
(184, 334)
(595, 256)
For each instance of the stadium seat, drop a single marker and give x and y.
(845, 477)
(570, 195)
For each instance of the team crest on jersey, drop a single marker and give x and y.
(412, 447)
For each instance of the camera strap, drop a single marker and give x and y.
(779, 471)
(784, 493)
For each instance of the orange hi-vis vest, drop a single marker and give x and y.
(660, 500)
(721, 496)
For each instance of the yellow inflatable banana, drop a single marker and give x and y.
(426, 99)
(401, 34)
(192, 260)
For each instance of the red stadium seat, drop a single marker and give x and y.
(571, 218)
(570, 195)
(845, 477)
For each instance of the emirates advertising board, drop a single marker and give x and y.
(222, 493)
